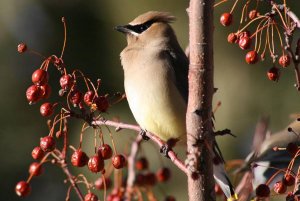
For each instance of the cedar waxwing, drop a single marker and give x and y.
(156, 81)
(264, 155)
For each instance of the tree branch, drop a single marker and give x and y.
(73, 183)
(199, 112)
(119, 125)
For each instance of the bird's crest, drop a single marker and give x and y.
(154, 16)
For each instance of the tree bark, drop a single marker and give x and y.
(199, 111)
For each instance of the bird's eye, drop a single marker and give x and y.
(142, 27)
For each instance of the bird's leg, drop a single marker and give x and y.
(168, 147)
(144, 135)
(165, 149)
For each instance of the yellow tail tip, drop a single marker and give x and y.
(233, 198)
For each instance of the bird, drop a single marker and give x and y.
(156, 80)
(263, 155)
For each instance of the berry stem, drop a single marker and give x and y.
(260, 34)
(245, 8)
(219, 3)
(83, 128)
(41, 162)
(280, 38)
(259, 17)
(85, 181)
(72, 182)
(235, 3)
(65, 133)
(83, 76)
(297, 183)
(65, 36)
(272, 36)
(68, 193)
(105, 187)
(280, 15)
(291, 164)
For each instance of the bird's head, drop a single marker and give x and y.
(148, 27)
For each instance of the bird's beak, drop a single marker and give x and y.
(122, 29)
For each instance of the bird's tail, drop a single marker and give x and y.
(221, 176)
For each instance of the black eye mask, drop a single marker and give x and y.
(139, 28)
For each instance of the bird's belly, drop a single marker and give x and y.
(157, 106)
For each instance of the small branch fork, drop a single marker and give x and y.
(119, 125)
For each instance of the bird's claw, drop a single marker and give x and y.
(144, 135)
(164, 150)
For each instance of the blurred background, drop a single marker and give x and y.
(93, 47)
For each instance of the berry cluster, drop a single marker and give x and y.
(88, 105)
(268, 29)
(287, 180)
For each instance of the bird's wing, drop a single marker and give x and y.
(180, 64)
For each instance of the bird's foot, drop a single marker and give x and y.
(164, 150)
(144, 135)
(168, 147)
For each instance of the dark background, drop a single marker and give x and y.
(93, 46)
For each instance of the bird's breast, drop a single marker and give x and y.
(154, 98)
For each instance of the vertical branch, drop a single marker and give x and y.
(199, 111)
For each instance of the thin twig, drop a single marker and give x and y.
(131, 170)
(71, 180)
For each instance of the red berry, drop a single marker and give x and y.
(170, 198)
(252, 57)
(226, 19)
(280, 187)
(34, 94)
(273, 74)
(245, 42)
(141, 164)
(46, 109)
(47, 143)
(118, 161)
(150, 179)
(40, 77)
(79, 158)
(46, 91)
(232, 38)
(262, 190)
(89, 97)
(90, 197)
(105, 151)
(284, 60)
(23, 189)
(163, 174)
(22, 47)
(253, 14)
(99, 183)
(101, 103)
(75, 97)
(289, 180)
(96, 164)
(292, 148)
(37, 153)
(66, 82)
(35, 169)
